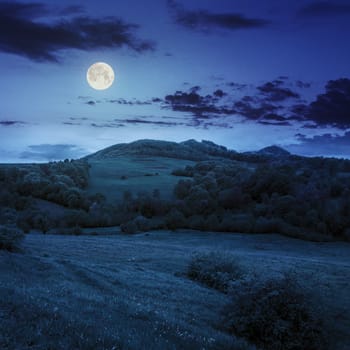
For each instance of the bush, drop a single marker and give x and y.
(10, 238)
(216, 270)
(175, 219)
(276, 315)
(129, 227)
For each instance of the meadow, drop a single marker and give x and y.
(158, 245)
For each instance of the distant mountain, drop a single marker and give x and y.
(273, 151)
(189, 150)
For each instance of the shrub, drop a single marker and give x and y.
(10, 238)
(215, 269)
(237, 223)
(129, 227)
(175, 219)
(276, 315)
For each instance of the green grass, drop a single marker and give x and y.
(217, 270)
(112, 177)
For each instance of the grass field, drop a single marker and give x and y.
(131, 292)
(112, 177)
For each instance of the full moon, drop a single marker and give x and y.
(100, 76)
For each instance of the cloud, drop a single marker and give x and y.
(119, 101)
(205, 21)
(324, 9)
(21, 33)
(332, 107)
(254, 112)
(11, 122)
(266, 105)
(21, 10)
(274, 117)
(326, 145)
(106, 125)
(47, 152)
(71, 123)
(78, 118)
(285, 123)
(302, 84)
(134, 102)
(137, 121)
(200, 106)
(72, 10)
(273, 91)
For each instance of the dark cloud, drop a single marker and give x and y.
(106, 125)
(204, 21)
(137, 121)
(71, 123)
(47, 152)
(90, 103)
(78, 118)
(219, 93)
(310, 126)
(10, 122)
(21, 10)
(254, 112)
(332, 107)
(302, 84)
(237, 86)
(208, 125)
(285, 123)
(322, 145)
(72, 10)
(325, 8)
(274, 91)
(134, 102)
(200, 106)
(274, 117)
(22, 34)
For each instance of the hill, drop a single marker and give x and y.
(187, 150)
(151, 184)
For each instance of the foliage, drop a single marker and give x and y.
(10, 238)
(276, 315)
(215, 269)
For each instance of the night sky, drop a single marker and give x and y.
(242, 73)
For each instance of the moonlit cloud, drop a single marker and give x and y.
(325, 9)
(333, 106)
(23, 33)
(11, 122)
(205, 21)
(326, 144)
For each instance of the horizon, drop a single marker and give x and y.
(52, 152)
(246, 76)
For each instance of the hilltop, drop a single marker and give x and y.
(187, 150)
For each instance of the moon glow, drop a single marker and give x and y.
(100, 76)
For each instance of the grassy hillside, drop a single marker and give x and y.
(139, 292)
(113, 176)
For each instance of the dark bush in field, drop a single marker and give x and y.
(276, 315)
(215, 269)
(175, 219)
(34, 219)
(10, 238)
